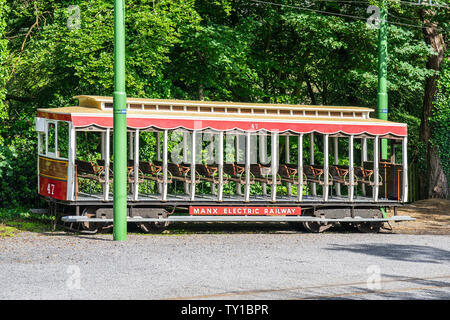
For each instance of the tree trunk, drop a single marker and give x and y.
(200, 92)
(311, 92)
(436, 180)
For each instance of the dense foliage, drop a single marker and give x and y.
(239, 50)
(3, 57)
(441, 118)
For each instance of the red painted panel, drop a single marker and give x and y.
(244, 211)
(52, 188)
(54, 116)
(306, 127)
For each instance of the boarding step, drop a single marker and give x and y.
(238, 219)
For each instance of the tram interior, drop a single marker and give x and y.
(247, 161)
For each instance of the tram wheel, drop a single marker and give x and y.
(316, 227)
(348, 226)
(92, 227)
(297, 226)
(369, 227)
(153, 227)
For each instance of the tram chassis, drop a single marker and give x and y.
(155, 216)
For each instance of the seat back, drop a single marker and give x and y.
(333, 170)
(84, 167)
(229, 169)
(308, 170)
(146, 167)
(174, 169)
(284, 171)
(202, 170)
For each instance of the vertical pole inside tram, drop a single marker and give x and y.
(247, 167)
(185, 157)
(263, 156)
(165, 160)
(351, 176)
(193, 158)
(107, 164)
(220, 166)
(376, 180)
(405, 168)
(120, 125)
(300, 168)
(136, 165)
(288, 185)
(311, 160)
(274, 165)
(336, 162)
(325, 168)
(363, 159)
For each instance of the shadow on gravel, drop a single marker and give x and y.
(433, 288)
(187, 228)
(229, 228)
(400, 252)
(76, 235)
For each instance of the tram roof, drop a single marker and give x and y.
(225, 116)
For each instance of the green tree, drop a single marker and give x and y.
(3, 57)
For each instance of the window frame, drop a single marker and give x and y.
(54, 154)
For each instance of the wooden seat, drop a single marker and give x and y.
(366, 176)
(90, 170)
(233, 171)
(130, 170)
(314, 173)
(262, 174)
(102, 163)
(178, 171)
(340, 174)
(209, 173)
(289, 173)
(148, 171)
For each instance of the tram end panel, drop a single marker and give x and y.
(53, 178)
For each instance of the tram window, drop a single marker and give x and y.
(41, 137)
(135, 106)
(51, 137)
(63, 140)
(147, 107)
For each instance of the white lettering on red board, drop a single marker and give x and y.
(273, 211)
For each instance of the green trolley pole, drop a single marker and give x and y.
(382, 105)
(120, 124)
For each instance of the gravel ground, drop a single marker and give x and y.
(225, 266)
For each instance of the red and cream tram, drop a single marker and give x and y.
(223, 161)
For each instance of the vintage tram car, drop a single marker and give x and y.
(223, 161)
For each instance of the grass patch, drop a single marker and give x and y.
(16, 220)
(7, 231)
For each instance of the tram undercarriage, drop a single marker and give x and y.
(93, 217)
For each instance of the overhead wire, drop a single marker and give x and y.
(419, 3)
(341, 14)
